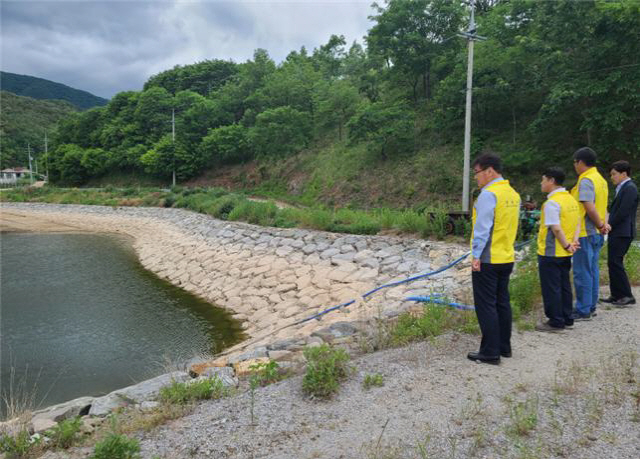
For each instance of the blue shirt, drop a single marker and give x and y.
(485, 212)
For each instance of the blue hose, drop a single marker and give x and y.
(405, 281)
(429, 299)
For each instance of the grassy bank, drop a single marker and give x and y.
(232, 206)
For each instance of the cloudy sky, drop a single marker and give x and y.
(107, 46)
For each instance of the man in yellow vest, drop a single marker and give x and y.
(495, 219)
(557, 241)
(592, 193)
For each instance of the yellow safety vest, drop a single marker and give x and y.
(548, 244)
(602, 196)
(499, 248)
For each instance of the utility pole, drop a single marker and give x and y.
(29, 153)
(46, 154)
(173, 139)
(471, 36)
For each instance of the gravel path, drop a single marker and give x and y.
(430, 399)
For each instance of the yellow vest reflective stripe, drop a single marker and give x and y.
(548, 245)
(602, 196)
(499, 248)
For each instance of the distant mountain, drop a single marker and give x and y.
(23, 121)
(39, 88)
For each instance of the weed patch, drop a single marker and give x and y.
(523, 417)
(182, 393)
(374, 380)
(117, 446)
(65, 433)
(434, 320)
(326, 369)
(19, 445)
(266, 373)
(524, 286)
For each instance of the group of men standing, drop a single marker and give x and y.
(572, 228)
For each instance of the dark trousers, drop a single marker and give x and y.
(617, 248)
(491, 298)
(556, 289)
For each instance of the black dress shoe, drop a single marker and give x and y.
(625, 301)
(505, 354)
(610, 299)
(477, 357)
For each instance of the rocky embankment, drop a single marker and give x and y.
(268, 278)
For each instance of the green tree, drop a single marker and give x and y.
(415, 36)
(201, 77)
(67, 165)
(280, 131)
(290, 85)
(335, 103)
(226, 144)
(153, 113)
(389, 128)
(328, 59)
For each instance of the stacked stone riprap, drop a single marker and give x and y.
(269, 277)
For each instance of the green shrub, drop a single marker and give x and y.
(317, 219)
(257, 213)
(432, 322)
(65, 433)
(524, 286)
(169, 200)
(152, 199)
(221, 207)
(130, 191)
(117, 446)
(355, 222)
(462, 227)
(266, 373)
(19, 445)
(436, 224)
(386, 218)
(412, 222)
(632, 264)
(326, 368)
(375, 379)
(286, 219)
(181, 393)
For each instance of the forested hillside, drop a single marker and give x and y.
(39, 88)
(551, 77)
(23, 121)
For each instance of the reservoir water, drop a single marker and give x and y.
(80, 316)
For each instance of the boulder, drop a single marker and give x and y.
(256, 353)
(102, 406)
(199, 368)
(49, 417)
(136, 394)
(41, 424)
(280, 356)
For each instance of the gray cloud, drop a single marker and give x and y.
(109, 46)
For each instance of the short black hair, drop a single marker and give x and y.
(586, 155)
(556, 173)
(621, 166)
(486, 160)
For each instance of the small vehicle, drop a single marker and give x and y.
(529, 216)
